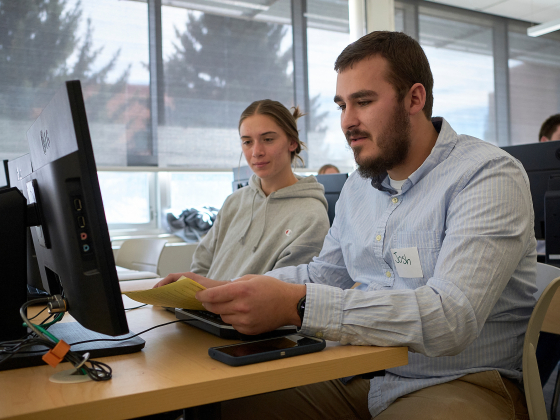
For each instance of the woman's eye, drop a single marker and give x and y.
(268, 139)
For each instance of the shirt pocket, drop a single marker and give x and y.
(428, 243)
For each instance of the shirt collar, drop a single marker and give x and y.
(446, 141)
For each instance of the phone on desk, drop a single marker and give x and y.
(264, 350)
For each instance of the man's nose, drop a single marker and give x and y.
(349, 119)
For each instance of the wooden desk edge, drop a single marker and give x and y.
(184, 396)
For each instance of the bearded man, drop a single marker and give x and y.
(437, 229)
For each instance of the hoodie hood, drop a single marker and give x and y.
(305, 187)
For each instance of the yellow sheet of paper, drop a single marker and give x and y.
(179, 294)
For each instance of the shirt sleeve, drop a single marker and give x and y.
(489, 229)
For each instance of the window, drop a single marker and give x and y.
(198, 189)
(327, 36)
(455, 41)
(102, 43)
(128, 198)
(218, 58)
(534, 81)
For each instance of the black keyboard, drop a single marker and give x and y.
(210, 316)
(213, 323)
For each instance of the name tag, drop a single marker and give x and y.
(407, 262)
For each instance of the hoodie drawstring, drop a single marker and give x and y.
(264, 224)
(242, 239)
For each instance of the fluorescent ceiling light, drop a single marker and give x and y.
(544, 28)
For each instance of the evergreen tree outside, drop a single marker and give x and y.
(220, 65)
(38, 39)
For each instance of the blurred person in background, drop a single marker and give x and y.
(550, 129)
(328, 169)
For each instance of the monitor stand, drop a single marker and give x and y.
(15, 216)
(73, 332)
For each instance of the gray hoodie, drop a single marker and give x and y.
(254, 233)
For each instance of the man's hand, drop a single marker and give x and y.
(208, 283)
(247, 277)
(255, 305)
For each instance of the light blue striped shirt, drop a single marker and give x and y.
(468, 211)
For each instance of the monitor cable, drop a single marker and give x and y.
(96, 370)
(39, 335)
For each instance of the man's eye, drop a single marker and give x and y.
(268, 139)
(246, 142)
(341, 107)
(364, 103)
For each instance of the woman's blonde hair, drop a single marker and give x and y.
(285, 119)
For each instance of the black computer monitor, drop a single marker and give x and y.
(333, 184)
(71, 239)
(19, 172)
(4, 176)
(542, 164)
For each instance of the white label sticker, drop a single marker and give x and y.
(407, 262)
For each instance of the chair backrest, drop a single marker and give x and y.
(545, 273)
(141, 254)
(333, 184)
(531, 377)
(177, 258)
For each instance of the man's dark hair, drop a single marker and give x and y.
(408, 63)
(549, 126)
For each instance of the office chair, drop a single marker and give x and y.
(546, 272)
(141, 254)
(531, 377)
(177, 261)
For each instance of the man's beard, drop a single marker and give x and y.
(393, 143)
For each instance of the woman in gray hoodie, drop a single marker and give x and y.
(278, 220)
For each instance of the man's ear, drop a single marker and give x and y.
(416, 98)
(544, 139)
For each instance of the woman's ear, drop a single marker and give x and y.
(293, 145)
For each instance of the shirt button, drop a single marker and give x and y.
(378, 237)
(395, 200)
(319, 334)
(388, 274)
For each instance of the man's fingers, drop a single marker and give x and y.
(219, 294)
(223, 309)
(169, 279)
(176, 276)
(196, 277)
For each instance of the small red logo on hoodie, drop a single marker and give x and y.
(288, 232)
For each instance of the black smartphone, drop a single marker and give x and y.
(263, 350)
